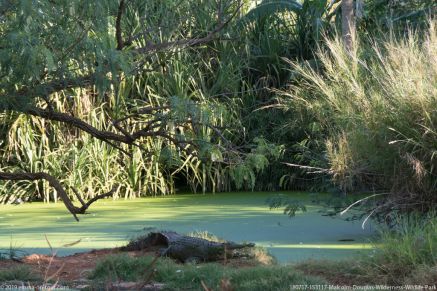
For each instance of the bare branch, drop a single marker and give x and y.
(45, 89)
(152, 128)
(78, 196)
(53, 182)
(78, 123)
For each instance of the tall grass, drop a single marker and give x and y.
(211, 77)
(377, 106)
(411, 246)
(19, 273)
(202, 80)
(230, 79)
(403, 255)
(92, 166)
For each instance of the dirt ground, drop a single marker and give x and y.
(76, 268)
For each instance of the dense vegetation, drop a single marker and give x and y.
(129, 98)
(376, 109)
(207, 96)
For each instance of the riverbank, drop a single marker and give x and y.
(405, 257)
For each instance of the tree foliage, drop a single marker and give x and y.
(142, 95)
(107, 49)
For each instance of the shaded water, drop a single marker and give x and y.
(232, 216)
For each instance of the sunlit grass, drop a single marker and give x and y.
(189, 276)
(377, 105)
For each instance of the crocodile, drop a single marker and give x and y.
(186, 248)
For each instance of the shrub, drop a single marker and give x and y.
(377, 105)
(20, 273)
(408, 250)
(406, 254)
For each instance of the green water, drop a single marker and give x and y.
(232, 216)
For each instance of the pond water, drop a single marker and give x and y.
(232, 216)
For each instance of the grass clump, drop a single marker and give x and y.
(404, 255)
(376, 106)
(12, 253)
(121, 267)
(336, 272)
(190, 276)
(408, 253)
(18, 273)
(261, 256)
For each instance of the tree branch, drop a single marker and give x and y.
(46, 89)
(188, 42)
(78, 123)
(150, 130)
(53, 182)
(153, 128)
(118, 32)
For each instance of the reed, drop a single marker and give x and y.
(376, 105)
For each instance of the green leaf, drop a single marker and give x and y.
(270, 7)
(50, 63)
